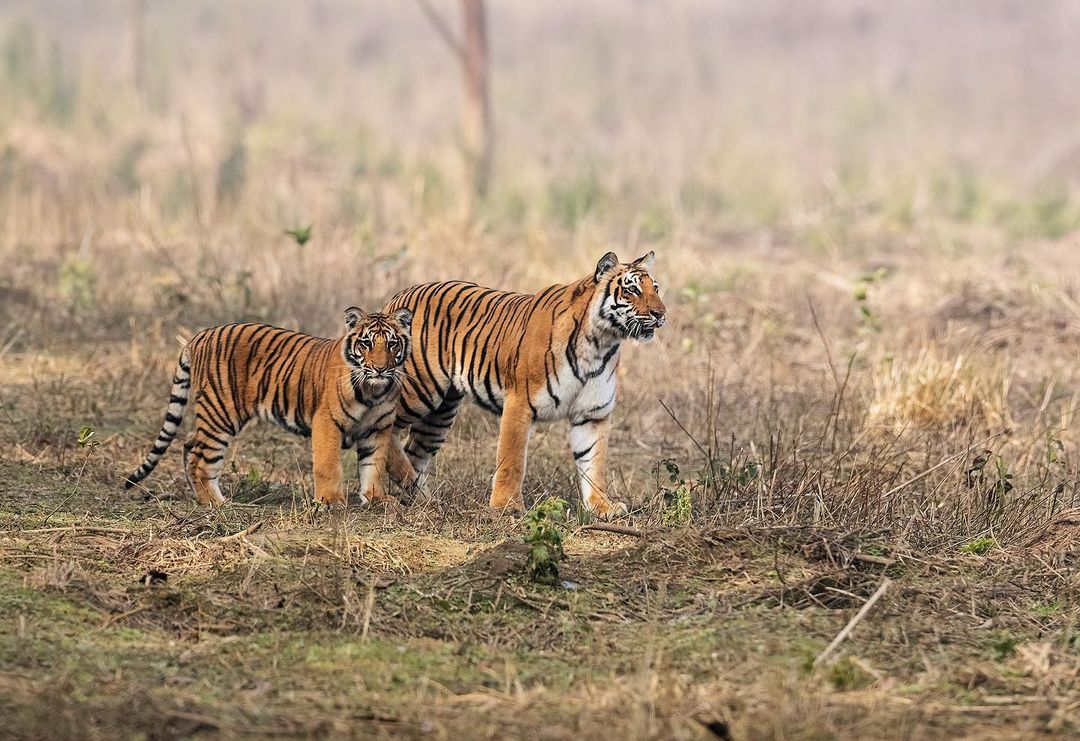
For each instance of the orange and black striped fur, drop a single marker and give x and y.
(340, 393)
(527, 357)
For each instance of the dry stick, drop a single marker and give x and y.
(74, 530)
(843, 634)
(369, 605)
(121, 615)
(236, 536)
(620, 529)
(681, 427)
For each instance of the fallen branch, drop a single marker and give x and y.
(73, 530)
(236, 536)
(122, 615)
(619, 529)
(369, 605)
(843, 634)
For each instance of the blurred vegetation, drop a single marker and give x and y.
(362, 127)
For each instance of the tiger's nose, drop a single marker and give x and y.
(658, 317)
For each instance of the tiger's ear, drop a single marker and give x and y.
(607, 263)
(404, 317)
(646, 261)
(353, 315)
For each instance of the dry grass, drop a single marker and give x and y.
(870, 372)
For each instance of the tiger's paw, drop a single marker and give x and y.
(209, 495)
(330, 499)
(373, 497)
(512, 508)
(605, 509)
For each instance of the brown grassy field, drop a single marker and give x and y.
(866, 221)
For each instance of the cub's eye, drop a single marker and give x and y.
(365, 342)
(632, 289)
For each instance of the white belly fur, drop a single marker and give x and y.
(594, 398)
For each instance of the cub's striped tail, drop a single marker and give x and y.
(178, 399)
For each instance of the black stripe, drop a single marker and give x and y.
(579, 454)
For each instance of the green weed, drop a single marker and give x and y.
(544, 537)
(979, 547)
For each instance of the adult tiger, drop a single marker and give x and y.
(531, 358)
(340, 393)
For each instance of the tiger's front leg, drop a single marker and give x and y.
(515, 428)
(371, 453)
(326, 442)
(588, 443)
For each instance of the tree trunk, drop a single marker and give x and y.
(476, 106)
(137, 30)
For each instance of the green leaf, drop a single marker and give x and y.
(86, 437)
(301, 234)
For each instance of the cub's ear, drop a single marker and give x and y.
(607, 263)
(404, 316)
(353, 315)
(646, 261)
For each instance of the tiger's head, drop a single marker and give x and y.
(629, 297)
(376, 345)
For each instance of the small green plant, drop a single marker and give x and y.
(300, 234)
(544, 538)
(251, 486)
(77, 282)
(867, 318)
(1003, 485)
(1047, 608)
(737, 473)
(979, 547)
(678, 505)
(844, 674)
(87, 438)
(1003, 645)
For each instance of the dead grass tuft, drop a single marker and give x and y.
(935, 389)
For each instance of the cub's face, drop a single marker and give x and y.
(630, 301)
(376, 345)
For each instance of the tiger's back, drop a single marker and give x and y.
(259, 371)
(483, 343)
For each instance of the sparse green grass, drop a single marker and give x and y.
(979, 547)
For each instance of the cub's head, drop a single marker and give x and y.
(629, 297)
(376, 345)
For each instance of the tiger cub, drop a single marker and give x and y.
(341, 393)
(529, 358)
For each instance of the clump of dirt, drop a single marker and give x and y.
(1060, 535)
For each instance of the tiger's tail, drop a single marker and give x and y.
(178, 399)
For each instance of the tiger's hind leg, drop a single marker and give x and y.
(398, 466)
(205, 449)
(204, 457)
(428, 434)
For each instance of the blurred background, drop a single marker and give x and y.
(207, 129)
